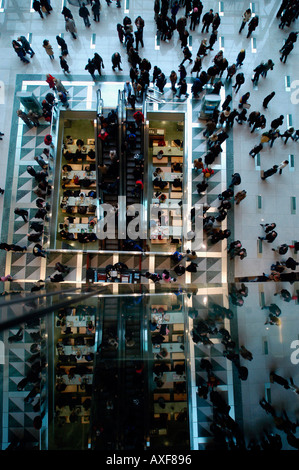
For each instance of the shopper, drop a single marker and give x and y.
(84, 13)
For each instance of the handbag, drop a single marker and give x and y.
(264, 139)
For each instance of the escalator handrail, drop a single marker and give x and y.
(43, 310)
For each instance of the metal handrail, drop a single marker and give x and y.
(14, 320)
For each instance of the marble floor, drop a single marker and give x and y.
(273, 200)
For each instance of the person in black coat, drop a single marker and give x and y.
(84, 13)
(66, 12)
(207, 19)
(37, 7)
(96, 7)
(61, 42)
(22, 212)
(270, 172)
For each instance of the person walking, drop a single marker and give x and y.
(46, 6)
(116, 61)
(70, 26)
(187, 55)
(240, 58)
(274, 378)
(253, 24)
(216, 22)
(173, 80)
(288, 134)
(245, 19)
(268, 227)
(236, 180)
(20, 51)
(24, 116)
(240, 80)
(138, 38)
(63, 99)
(12, 247)
(207, 19)
(255, 150)
(285, 51)
(282, 165)
(48, 48)
(258, 70)
(270, 172)
(277, 122)
(66, 12)
(194, 19)
(183, 89)
(267, 99)
(38, 251)
(98, 63)
(290, 263)
(269, 65)
(269, 237)
(36, 5)
(96, 10)
(26, 46)
(161, 81)
(64, 65)
(273, 135)
(84, 13)
(90, 67)
(62, 44)
(231, 70)
(23, 213)
(239, 196)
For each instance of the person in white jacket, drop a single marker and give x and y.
(246, 17)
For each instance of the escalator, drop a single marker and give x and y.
(105, 424)
(134, 378)
(133, 168)
(109, 175)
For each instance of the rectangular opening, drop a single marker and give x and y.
(289, 120)
(265, 346)
(253, 45)
(93, 41)
(293, 204)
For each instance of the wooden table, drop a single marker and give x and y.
(168, 150)
(72, 148)
(74, 320)
(83, 349)
(167, 318)
(173, 377)
(81, 228)
(77, 379)
(171, 347)
(166, 232)
(77, 201)
(169, 176)
(80, 173)
(170, 407)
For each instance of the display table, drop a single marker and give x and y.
(81, 228)
(165, 232)
(168, 150)
(78, 201)
(80, 173)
